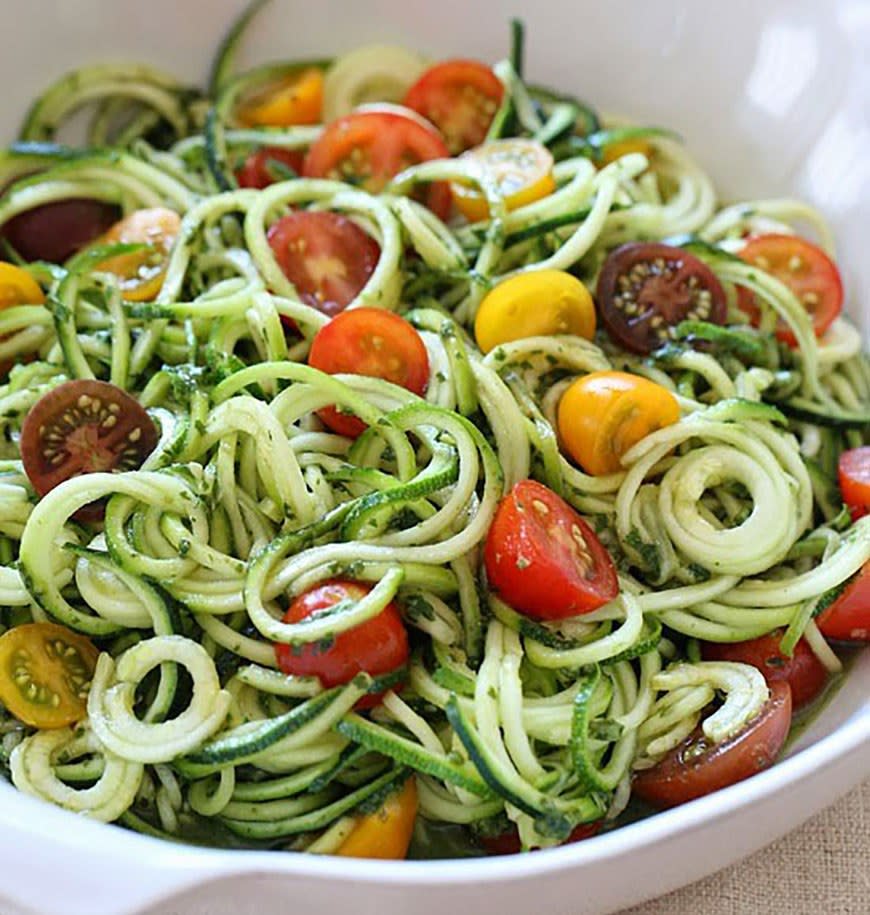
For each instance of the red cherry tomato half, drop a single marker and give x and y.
(460, 97)
(695, 768)
(373, 342)
(369, 147)
(853, 470)
(848, 617)
(803, 671)
(379, 646)
(263, 167)
(544, 559)
(81, 427)
(810, 274)
(55, 231)
(328, 258)
(508, 843)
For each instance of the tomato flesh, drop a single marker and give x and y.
(848, 617)
(460, 97)
(645, 290)
(378, 646)
(803, 671)
(696, 768)
(55, 231)
(810, 274)
(373, 342)
(386, 833)
(853, 471)
(369, 147)
(508, 843)
(263, 167)
(543, 559)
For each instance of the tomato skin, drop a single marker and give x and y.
(685, 774)
(256, 171)
(508, 843)
(297, 99)
(373, 342)
(853, 471)
(848, 617)
(386, 833)
(803, 671)
(537, 537)
(378, 646)
(815, 281)
(371, 146)
(55, 231)
(327, 257)
(460, 97)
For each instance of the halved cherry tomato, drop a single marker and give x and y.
(508, 843)
(803, 671)
(385, 834)
(853, 470)
(378, 646)
(84, 426)
(603, 414)
(696, 767)
(544, 559)
(17, 287)
(373, 342)
(536, 303)
(262, 167)
(55, 231)
(848, 617)
(328, 258)
(810, 274)
(372, 145)
(645, 290)
(297, 99)
(521, 169)
(460, 97)
(140, 273)
(45, 673)
(614, 151)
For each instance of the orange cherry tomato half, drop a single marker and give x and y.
(17, 287)
(460, 97)
(297, 99)
(696, 767)
(45, 673)
(802, 266)
(84, 426)
(847, 619)
(803, 671)
(55, 231)
(373, 342)
(508, 843)
(378, 646)
(263, 167)
(327, 257)
(370, 146)
(386, 833)
(543, 559)
(853, 470)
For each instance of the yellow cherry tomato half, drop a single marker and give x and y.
(534, 304)
(45, 673)
(386, 833)
(521, 169)
(614, 151)
(18, 287)
(141, 273)
(603, 414)
(297, 99)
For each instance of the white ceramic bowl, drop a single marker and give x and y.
(774, 98)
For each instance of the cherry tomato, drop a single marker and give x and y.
(373, 342)
(84, 426)
(521, 169)
(55, 231)
(696, 768)
(544, 559)
(328, 258)
(803, 671)
(603, 414)
(296, 99)
(262, 167)
(372, 145)
(645, 290)
(810, 274)
(853, 470)
(620, 148)
(536, 303)
(379, 646)
(17, 287)
(385, 834)
(45, 672)
(460, 97)
(848, 617)
(508, 843)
